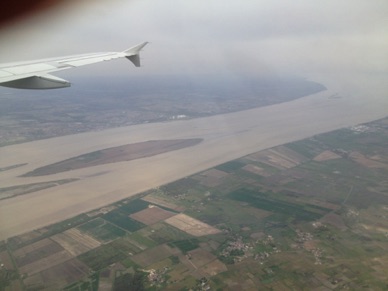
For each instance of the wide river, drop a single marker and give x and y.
(226, 137)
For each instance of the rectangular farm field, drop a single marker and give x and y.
(122, 220)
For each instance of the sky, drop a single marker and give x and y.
(251, 37)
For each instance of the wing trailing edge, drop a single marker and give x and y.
(36, 74)
(38, 82)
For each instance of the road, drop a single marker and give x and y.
(226, 137)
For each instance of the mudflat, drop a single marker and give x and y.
(225, 137)
(114, 155)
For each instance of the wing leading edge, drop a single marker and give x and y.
(36, 74)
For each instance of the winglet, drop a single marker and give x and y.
(132, 53)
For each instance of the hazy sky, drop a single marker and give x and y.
(301, 37)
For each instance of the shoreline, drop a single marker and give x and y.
(225, 137)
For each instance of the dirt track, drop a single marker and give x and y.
(225, 137)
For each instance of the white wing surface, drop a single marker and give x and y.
(36, 74)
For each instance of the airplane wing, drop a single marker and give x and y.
(36, 74)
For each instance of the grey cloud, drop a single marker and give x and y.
(212, 36)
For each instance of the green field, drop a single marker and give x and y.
(265, 202)
(122, 220)
(140, 240)
(102, 230)
(230, 167)
(133, 206)
(102, 257)
(186, 245)
(162, 233)
(125, 245)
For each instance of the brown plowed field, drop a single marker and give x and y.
(191, 225)
(152, 215)
(46, 263)
(326, 155)
(75, 242)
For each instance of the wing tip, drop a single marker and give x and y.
(132, 53)
(135, 49)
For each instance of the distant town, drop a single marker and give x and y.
(31, 115)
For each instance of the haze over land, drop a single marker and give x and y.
(98, 103)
